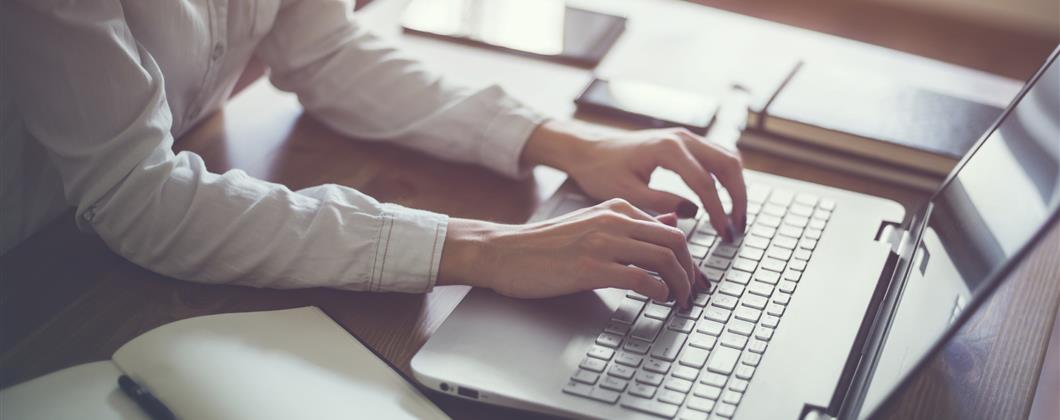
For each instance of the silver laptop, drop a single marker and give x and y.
(820, 310)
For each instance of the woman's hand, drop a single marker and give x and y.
(588, 249)
(621, 166)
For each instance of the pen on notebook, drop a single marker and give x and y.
(154, 408)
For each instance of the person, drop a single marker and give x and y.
(95, 91)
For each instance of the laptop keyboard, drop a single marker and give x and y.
(699, 363)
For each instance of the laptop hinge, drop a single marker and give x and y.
(810, 412)
(893, 234)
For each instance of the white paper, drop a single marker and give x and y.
(288, 364)
(89, 391)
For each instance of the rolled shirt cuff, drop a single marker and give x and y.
(409, 250)
(506, 134)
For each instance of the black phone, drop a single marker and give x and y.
(648, 105)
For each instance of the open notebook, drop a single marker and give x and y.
(287, 364)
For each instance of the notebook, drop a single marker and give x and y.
(874, 116)
(286, 364)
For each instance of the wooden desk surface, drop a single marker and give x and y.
(68, 300)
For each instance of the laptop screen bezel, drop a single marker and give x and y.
(992, 280)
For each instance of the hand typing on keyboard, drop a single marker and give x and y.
(592, 248)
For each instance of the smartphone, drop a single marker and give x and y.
(648, 105)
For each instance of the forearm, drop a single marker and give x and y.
(558, 144)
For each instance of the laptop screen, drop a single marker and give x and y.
(987, 212)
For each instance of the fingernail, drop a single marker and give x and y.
(731, 231)
(687, 209)
(667, 219)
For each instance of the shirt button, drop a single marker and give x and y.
(217, 51)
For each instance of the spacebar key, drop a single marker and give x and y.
(723, 360)
(657, 408)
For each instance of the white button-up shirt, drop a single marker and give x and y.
(94, 91)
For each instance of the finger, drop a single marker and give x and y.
(655, 258)
(679, 160)
(661, 201)
(728, 169)
(632, 278)
(668, 219)
(670, 237)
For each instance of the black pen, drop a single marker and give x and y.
(154, 408)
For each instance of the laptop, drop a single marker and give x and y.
(822, 309)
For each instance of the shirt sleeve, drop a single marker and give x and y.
(363, 87)
(94, 98)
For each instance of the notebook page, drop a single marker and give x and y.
(88, 391)
(294, 363)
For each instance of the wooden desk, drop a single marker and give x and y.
(68, 300)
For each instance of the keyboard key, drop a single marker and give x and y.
(605, 395)
(797, 221)
(701, 404)
(801, 210)
(642, 390)
(637, 346)
(757, 346)
(770, 321)
(585, 376)
(725, 410)
(694, 357)
(767, 221)
(752, 254)
(756, 242)
(770, 277)
(814, 234)
(657, 366)
(646, 328)
(619, 371)
(745, 372)
(801, 254)
(679, 385)
(578, 388)
(732, 397)
(809, 244)
(774, 210)
(600, 352)
(702, 341)
(671, 397)
(682, 324)
(716, 262)
(757, 193)
(738, 385)
(787, 286)
(756, 302)
(700, 299)
(649, 406)
(816, 224)
(688, 413)
(822, 214)
(782, 298)
(773, 264)
(806, 199)
(774, 309)
(693, 313)
(751, 359)
(731, 288)
(715, 313)
(716, 379)
(781, 197)
(723, 360)
(703, 239)
(827, 205)
(790, 231)
(636, 296)
(628, 359)
(657, 311)
(685, 372)
(733, 340)
(617, 328)
(779, 253)
(744, 264)
(762, 231)
(736, 276)
(710, 392)
(593, 364)
(627, 311)
(726, 250)
(764, 333)
(712, 327)
(798, 265)
(651, 378)
(741, 327)
(792, 275)
(724, 301)
(747, 314)
(760, 289)
(705, 227)
(613, 383)
(698, 251)
(785, 242)
(607, 339)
